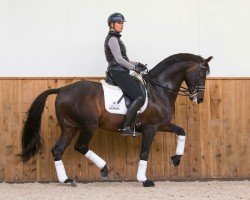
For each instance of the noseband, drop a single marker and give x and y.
(183, 91)
(195, 80)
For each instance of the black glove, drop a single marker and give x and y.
(140, 67)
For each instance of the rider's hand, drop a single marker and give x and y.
(140, 67)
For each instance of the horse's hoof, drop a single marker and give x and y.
(148, 183)
(70, 182)
(176, 160)
(104, 172)
(73, 184)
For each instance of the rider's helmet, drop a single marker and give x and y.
(115, 17)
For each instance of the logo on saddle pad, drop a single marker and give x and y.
(114, 106)
(113, 102)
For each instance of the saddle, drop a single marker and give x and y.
(128, 101)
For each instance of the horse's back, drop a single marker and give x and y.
(81, 88)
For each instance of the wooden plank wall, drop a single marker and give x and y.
(216, 147)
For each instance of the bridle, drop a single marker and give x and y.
(195, 80)
(183, 91)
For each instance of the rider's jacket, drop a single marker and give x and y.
(109, 55)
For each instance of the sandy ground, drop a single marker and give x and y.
(128, 190)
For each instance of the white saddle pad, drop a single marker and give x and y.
(111, 96)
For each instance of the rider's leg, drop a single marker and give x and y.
(131, 88)
(131, 114)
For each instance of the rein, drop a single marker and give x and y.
(185, 91)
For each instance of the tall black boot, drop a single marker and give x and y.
(131, 113)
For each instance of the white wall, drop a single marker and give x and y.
(65, 37)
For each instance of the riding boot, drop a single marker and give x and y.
(131, 113)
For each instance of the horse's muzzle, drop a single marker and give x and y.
(200, 100)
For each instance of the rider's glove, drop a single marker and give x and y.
(140, 67)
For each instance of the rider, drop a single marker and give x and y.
(119, 68)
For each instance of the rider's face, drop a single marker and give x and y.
(118, 26)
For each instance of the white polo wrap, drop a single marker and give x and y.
(141, 173)
(99, 162)
(60, 171)
(180, 145)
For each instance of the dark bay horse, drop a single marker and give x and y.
(80, 107)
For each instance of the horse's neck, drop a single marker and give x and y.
(171, 78)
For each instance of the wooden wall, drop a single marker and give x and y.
(217, 137)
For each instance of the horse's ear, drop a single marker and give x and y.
(208, 59)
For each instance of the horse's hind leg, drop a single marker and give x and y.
(82, 147)
(62, 143)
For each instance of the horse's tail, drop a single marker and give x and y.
(32, 143)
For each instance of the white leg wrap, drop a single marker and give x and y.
(60, 170)
(141, 173)
(180, 145)
(99, 162)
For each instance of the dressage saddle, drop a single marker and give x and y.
(128, 101)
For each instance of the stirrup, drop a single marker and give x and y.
(127, 131)
(137, 127)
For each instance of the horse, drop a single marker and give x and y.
(80, 108)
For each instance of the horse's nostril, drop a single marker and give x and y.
(200, 100)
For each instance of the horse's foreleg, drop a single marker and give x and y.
(147, 138)
(82, 147)
(180, 143)
(58, 150)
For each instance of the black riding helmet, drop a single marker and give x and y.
(115, 17)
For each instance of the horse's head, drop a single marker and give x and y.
(195, 80)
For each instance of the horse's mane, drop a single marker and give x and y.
(176, 58)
